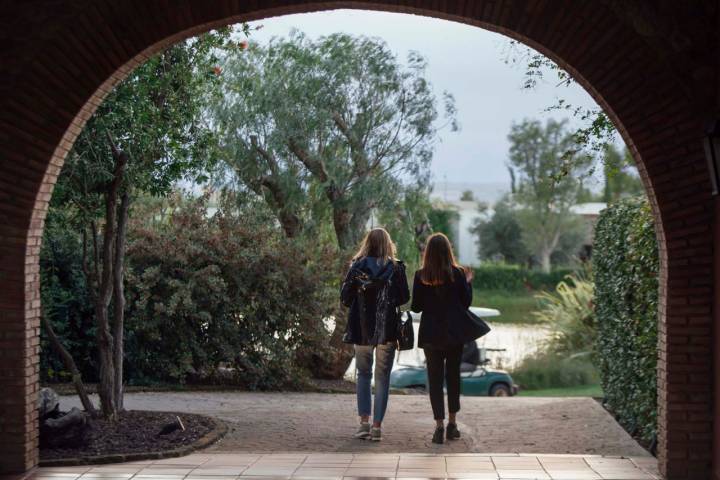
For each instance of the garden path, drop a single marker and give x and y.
(317, 422)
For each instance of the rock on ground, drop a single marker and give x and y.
(317, 422)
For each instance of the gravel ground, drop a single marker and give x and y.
(316, 422)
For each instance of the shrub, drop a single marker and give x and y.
(625, 264)
(568, 312)
(550, 370)
(513, 278)
(225, 290)
(202, 292)
(65, 301)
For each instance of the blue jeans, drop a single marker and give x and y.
(384, 357)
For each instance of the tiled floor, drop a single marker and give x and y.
(347, 466)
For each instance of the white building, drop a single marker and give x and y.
(466, 244)
(449, 195)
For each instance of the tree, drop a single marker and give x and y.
(146, 135)
(546, 184)
(595, 132)
(500, 235)
(621, 178)
(467, 196)
(336, 121)
(444, 219)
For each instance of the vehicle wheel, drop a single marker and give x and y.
(418, 389)
(499, 390)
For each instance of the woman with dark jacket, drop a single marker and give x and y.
(442, 292)
(374, 288)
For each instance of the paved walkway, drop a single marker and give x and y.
(337, 466)
(309, 422)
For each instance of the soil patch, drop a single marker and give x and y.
(135, 432)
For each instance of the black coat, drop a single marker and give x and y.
(374, 312)
(443, 310)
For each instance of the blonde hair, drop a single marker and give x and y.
(438, 261)
(377, 243)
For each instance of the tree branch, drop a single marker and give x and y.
(315, 166)
(70, 364)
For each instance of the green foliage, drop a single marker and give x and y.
(223, 290)
(621, 177)
(550, 370)
(202, 292)
(329, 130)
(625, 264)
(154, 116)
(547, 185)
(500, 236)
(595, 132)
(65, 301)
(443, 220)
(514, 278)
(408, 223)
(581, 391)
(568, 313)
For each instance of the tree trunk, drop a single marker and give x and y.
(106, 382)
(105, 283)
(341, 224)
(545, 264)
(119, 300)
(70, 364)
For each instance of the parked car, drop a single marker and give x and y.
(482, 381)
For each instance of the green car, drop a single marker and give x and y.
(483, 381)
(480, 381)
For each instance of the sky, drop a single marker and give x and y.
(464, 60)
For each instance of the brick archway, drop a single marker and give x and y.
(652, 65)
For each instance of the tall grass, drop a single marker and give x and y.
(565, 358)
(568, 312)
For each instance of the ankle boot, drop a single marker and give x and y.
(452, 431)
(439, 435)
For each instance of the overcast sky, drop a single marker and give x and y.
(464, 60)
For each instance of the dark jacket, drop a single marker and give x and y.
(443, 310)
(374, 292)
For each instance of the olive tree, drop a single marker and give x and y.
(334, 126)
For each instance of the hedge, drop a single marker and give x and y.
(499, 276)
(625, 264)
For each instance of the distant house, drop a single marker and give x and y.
(449, 195)
(467, 244)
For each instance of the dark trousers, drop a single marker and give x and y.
(443, 366)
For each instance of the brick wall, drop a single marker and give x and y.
(651, 65)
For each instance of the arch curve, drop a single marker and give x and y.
(64, 60)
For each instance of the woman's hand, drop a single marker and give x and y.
(469, 275)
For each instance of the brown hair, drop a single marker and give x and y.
(438, 261)
(377, 243)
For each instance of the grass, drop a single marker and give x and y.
(515, 307)
(580, 391)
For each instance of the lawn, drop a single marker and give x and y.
(515, 307)
(581, 391)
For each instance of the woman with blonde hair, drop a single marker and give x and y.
(374, 289)
(442, 292)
